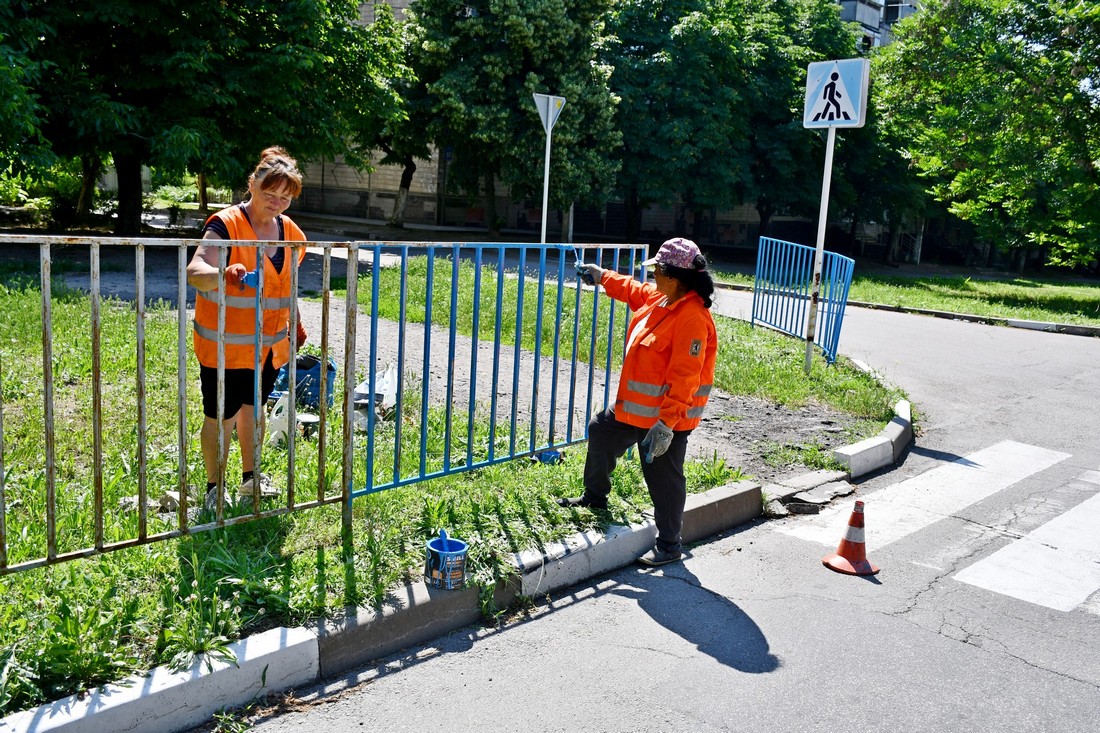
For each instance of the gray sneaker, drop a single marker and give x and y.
(267, 490)
(657, 557)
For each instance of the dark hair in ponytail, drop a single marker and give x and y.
(697, 279)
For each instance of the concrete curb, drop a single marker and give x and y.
(883, 449)
(277, 659)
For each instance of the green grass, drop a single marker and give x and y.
(1034, 299)
(66, 627)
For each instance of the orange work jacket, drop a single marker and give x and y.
(240, 303)
(668, 368)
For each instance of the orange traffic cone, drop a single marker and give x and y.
(850, 557)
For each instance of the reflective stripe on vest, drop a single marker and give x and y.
(694, 412)
(703, 391)
(640, 410)
(650, 390)
(241, 339)
(248, 302)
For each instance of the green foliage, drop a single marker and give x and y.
(679, 68)
(21, 115)
(206, 86)
(784, 37)
(202, 617)
(763, 363)
(482, 61)
(999, 103)
(13, 188)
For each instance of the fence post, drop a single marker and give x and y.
(350, 312)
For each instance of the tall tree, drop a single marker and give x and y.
(874, 181)
(204, 83)
(999, 100)
(482, 60)
(680, 70)
(784, 37)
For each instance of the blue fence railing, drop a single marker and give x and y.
(512, 366)
(784, 286)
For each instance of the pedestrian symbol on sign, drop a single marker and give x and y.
(836, 93)
(832, 96)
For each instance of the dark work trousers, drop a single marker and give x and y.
(608, 440)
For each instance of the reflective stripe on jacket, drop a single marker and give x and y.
(240, 303)
(668, 368)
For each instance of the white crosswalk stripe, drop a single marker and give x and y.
(916, 503)
(1056, 565)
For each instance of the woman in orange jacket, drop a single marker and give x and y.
(668, 371)
(273, 184)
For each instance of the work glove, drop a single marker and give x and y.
(589, 273)
(235, 273)
(659, 438)
(301, 335)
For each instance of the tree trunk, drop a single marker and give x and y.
(633, 213)
(765, 211)
(204, 203)
(889, 256)
(90, 168)
(491, 205)
(397, 219)
(128, 169)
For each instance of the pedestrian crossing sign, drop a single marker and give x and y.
(836, 93)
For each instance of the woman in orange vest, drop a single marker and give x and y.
(668, 370)
(272, 185)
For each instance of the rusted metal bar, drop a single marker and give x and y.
(291, 253)
(350, 312)
(257, 379)
(142, 433)
(181, 383)
(220, 478)
(3, 485)
(322, 427)
(47, 403)
(97, 399)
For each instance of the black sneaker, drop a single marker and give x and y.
(580, 501)
(657, 557)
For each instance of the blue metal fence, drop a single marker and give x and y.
(783, 289)
(495, 293)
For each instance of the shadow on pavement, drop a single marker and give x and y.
(712, 623)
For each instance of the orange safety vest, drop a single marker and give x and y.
(240, 303)
(668, 368)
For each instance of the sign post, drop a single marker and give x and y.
(549, 108)
(836, 96)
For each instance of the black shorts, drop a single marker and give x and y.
(239, 388)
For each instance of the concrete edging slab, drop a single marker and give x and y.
(883, 449)
(277, 659)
